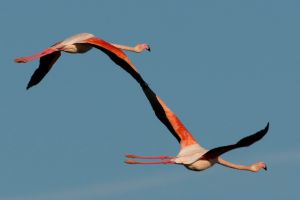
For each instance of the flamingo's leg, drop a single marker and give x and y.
(150, 163)
(149, 157)
(35, 56)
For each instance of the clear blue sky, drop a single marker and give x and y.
(225, 68)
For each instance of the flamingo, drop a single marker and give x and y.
(192, 155)
(81, 43)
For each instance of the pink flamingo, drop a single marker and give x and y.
(80, 43)
(191, 154)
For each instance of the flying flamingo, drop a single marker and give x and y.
(191, 154)
(81, 43)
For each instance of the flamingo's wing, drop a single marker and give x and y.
(244, 142)
(169, 119)
(46, 62)
(164, 114)
(116, 55)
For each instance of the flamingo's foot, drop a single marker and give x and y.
(130, 162)
(21, 60)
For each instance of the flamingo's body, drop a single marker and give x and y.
(190, 157)
(79, 43)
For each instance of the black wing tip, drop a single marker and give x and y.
(264, 131)
(267, 127)
(29, 86)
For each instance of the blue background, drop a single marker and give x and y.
(225, 68)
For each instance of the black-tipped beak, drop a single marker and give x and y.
(265, 168)
(148, 49)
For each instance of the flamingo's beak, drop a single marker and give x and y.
(148, 49)
(265, 168)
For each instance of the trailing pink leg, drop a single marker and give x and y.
(149, 157)
(35, 56)
(150, 163)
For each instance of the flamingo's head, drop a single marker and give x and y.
(141, 47)
(258, 166)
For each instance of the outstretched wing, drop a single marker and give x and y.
(245, 142)
(46, 62)
(164, 114)
(116, 55)
(168, 118)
